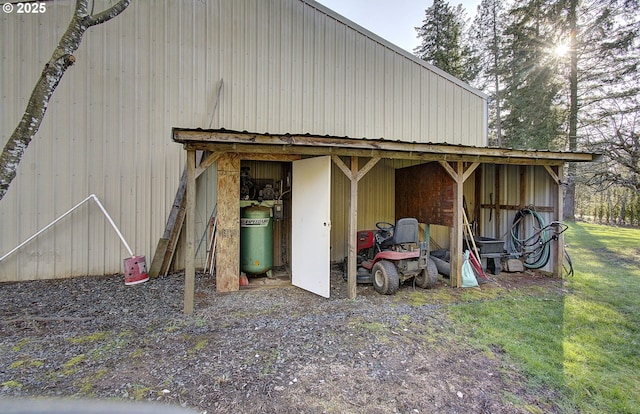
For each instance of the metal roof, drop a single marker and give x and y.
(308, 144)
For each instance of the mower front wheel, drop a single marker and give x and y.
(429, 276)
(385, 278)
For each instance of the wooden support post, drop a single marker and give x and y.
(496, 200)
(354, 174)
(478, 197)
(456, 250)
(558, 216)
(353, 230)
(455, 235)
(189, 266)
(523, 185)
(167, 245)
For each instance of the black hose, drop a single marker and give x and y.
(535, 249)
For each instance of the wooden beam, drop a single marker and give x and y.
(449, 169)
(189, 266)
(269, 157)
(516, 207)
(469, 171)
(364, 153)
(554, 176)
(207, 162)
(289, 140)
(367, 167)
(342, 166)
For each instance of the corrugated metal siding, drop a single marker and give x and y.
(293, 66)
(107, 132)
(288, 66)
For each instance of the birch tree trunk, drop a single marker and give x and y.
(61, 59)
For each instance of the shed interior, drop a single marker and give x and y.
(266, 185)
(391, 190)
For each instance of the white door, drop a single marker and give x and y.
(311, 226)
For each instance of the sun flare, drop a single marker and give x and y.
(561, 49)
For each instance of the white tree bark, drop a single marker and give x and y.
(61, 59)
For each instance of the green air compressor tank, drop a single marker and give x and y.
(256, 240)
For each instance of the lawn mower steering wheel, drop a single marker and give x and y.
(384, 226)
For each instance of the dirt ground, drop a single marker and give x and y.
(277, 349)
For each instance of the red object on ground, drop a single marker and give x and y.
(244, 281)
(135, 270)
(477, 266)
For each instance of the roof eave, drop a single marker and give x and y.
(226, 140)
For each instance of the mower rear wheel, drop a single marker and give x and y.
(429, 276)
(385, 277)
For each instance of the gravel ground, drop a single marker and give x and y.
(270, 350)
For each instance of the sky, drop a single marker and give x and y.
(393, 20)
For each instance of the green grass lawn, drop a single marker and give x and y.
(583, 341)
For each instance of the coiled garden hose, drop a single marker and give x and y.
(535, 249)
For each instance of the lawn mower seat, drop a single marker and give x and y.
(405, 231)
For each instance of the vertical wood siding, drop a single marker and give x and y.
(289, 66)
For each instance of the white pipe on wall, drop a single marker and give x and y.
(89, 197)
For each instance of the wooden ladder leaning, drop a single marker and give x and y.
(166, 248)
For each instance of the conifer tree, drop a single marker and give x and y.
(442, 33)
(486, 33)
(534, 115)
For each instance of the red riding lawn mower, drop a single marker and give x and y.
(391, 255)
